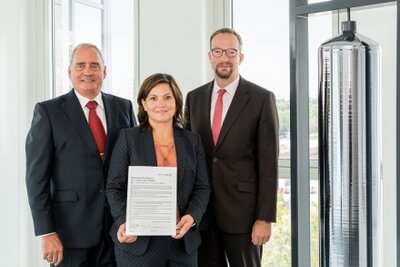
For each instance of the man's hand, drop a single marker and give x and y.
(52, 249)
(261, 232)
(183, 226)
(123, 237)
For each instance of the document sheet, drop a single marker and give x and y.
(151, 201)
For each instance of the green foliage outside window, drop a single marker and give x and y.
(277, 252)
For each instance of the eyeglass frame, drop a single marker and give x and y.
(237, 52)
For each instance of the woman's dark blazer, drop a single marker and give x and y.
(135, 147)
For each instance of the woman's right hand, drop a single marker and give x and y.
(122, 237)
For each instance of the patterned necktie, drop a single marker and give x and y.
(216, 124)
(96, 126)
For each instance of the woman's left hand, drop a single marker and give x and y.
(183, 226)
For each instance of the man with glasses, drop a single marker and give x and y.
(238, 123)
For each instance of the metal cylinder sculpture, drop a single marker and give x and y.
(349, 150)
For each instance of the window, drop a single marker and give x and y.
(107, 24)
(265, 36)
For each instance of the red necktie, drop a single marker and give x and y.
(216, 124)
(96, 126)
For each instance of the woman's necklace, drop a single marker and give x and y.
(165, 150)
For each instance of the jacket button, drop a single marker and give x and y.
(215, 160)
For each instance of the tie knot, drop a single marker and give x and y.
(221, 92)
(91, 105)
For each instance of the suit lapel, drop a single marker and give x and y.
(180, 156)
(239, 101)
(111, 112)
(149, 149)
(74, 111)
(205, 101)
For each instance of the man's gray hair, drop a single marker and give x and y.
(85, 45)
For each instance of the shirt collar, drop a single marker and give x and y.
(230, 88)
(83, 100)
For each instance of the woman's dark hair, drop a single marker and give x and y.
(148, 84)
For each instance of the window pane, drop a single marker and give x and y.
(319, 30)
(369, 22)
(120, 60)
(61, 47)
(87, 25)
(266, 62)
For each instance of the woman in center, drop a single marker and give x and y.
(159, 140)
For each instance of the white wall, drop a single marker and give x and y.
(24, 47)
(173, 38)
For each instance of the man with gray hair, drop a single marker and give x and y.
(68, 150)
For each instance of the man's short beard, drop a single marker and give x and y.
(223, 76)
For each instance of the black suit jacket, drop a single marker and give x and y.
(65, 176)
(135, 147)
(243, 165)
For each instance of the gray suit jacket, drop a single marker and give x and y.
(65, 176)
(243, 165)
(135, 147)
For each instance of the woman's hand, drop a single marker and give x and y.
(183, 226)
(122, 237)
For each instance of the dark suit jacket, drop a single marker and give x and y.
(244, 162)
(65, 176)
(135, 147)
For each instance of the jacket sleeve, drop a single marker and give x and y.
(268, 153)
(39, 150)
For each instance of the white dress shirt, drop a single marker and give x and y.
(99, 109)
(226, 98)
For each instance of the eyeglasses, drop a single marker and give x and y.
(230, 52)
